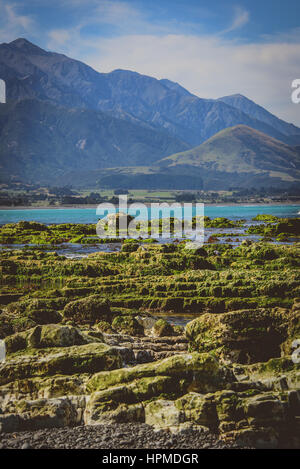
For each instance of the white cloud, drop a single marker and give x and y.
(13, 24)
(117, 13)
(241, 17)
(25, 22)
(59, 36)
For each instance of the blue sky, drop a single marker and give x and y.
(212, 48)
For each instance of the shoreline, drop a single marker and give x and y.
(83, 207)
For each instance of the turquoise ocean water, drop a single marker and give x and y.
(89, 215)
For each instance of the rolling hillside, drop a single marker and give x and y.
(240, 149)
(236, 157)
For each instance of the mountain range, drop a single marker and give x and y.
(41, 141)
(64, 121)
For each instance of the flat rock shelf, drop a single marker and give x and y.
(151, 346)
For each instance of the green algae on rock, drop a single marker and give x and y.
(162, 328)
(127, 325)
(77, 334)
(88, 358)
(49, 336)
(244, 336)
(87, 310)
(203, 370)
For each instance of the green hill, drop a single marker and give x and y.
(238, 156)
(241, 150)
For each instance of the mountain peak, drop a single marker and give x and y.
(239, 128)
(26, 46)
(234, 96)
(20, 41)
(246, 105)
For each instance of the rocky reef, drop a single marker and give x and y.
(98, 340)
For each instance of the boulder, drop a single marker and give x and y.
(199, 409)
(44, 316)
(243, 336)
(196, 371)
(89, 358)
(106, 403)
(127, 325)
(147, 323)
(122, 414)
(43, 413)
(258, 438)
(163, 414)
(162, 328)
(88, 310)
(105, 327)
(265, 410)
(292, 344)
(51, 335)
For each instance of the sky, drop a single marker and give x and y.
(212, 48)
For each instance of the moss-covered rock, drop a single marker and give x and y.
(162, 413)
(42, 413)
(124, 413)
(102, 403)
(35, 311)
(199, 409)
(44, 316)
(6, 327)
(265, 410)
(105, 327)
(288, 226)
(88, 310)
(130, 247)
(277, 373)
(89, 358)
(244, 336)
(127, 325)
(265, 217)
(178, 330)
(48, 336)
(162, 328)
(30, 225)
(201, 372)
(249, 418)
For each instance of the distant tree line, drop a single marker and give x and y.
(26, 195)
